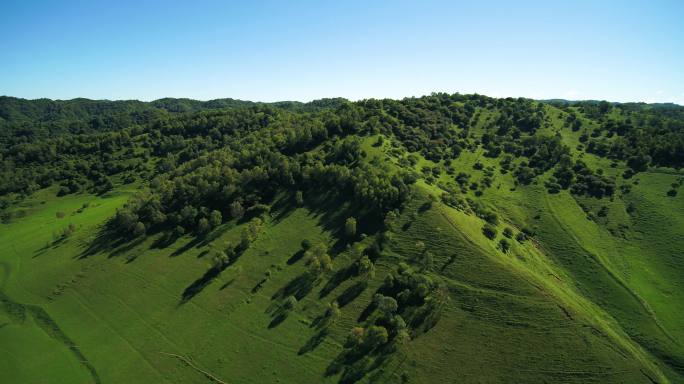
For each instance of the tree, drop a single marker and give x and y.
(139, 229)
(203, 225)
(386, 305)
(290, 303)
(332, 313)
(375, 336)
(237, 210)
(356, 337)
(639, 162)
(350, 227)
(250, 232)
(126, 219)
(427, 260)
(390, 219)
(420, 247)
(215, 218)
(187, 215)
(365, 267)
(504, 245)
(521, 237)
(220, 261)
(508, 232)
(489, 231)
(179, 231)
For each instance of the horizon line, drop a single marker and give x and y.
(548, 99)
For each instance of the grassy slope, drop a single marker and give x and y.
(565, 308)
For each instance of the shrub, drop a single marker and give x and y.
(489, 231)
(504, 245)
(520, 237)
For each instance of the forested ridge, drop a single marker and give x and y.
(197, 166)
(82, 144)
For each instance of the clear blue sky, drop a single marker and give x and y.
(304, 50)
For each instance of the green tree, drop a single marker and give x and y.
(215, 218)
(365, 267)
(290, 303)
(489, 231)
(139, 229)
(203, 225)
(376, 336)
(505, 245)
(387, 306)
(350, 227)
(237, 210)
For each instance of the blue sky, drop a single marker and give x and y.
(304, 50)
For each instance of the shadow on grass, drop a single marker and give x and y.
(278, 319)
(296, 257)
(198, 285)
(227, 284)
(298, 287)
(338, 278)
(212, 273)
(313, 342)
(111, 242)
(355, 363)
(351, 293)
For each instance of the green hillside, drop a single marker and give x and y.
(447, 238)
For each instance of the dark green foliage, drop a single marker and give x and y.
(504, 245)
(489, 231)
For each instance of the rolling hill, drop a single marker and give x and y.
(447, 238)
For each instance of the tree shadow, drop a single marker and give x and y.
(338, 278)
(278, 314)
(298, 287)
(195, 242)
(278, 319)
(446, 265)
(355, 363)
(167, 239)
(372, 306)
(212, 273)
(111, 242)
(227, 284)
(198, 285)
(106, 240)
(282, 207)
(351, 293)
(296, 257)
(314, 341)
(258, 286)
